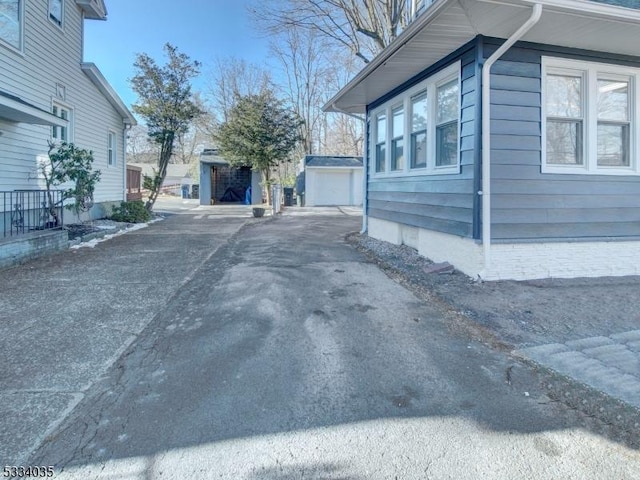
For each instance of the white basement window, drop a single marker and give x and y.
(589, 118)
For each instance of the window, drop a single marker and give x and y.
(56, 11)
(419, 131)
(564, 119)
(614, 127)
(11, 22)
(588, 117)
(419, 128)
(447, 124)
(381, 142)
(397, 140)
(111, 149)
(61, 134)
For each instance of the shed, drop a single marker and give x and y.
(331, 180)
(221, 182)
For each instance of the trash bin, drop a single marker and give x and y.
(195, 190)
(288, 196)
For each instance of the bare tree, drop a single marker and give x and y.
(139, 147)
(200, 135)
(232, 79)
(365, 27)
(305, 70)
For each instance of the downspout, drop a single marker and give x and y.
(364, 166)
(486, 133)
(127, 127)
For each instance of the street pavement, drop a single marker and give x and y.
(223, 346)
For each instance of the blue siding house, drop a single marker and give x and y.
(504, 137)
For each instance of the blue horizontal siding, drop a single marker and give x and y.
(529, 204)
(443, 203)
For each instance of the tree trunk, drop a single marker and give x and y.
(166, 150)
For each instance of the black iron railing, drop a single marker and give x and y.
(25, 211)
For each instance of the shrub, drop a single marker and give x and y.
(130, 212)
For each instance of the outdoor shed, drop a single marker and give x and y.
(504, 137)
(222, 183)
(332, 180)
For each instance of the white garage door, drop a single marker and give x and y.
(332, 188)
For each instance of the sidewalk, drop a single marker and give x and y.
(66, 318)
(581, 335)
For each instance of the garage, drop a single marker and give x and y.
(332, 180)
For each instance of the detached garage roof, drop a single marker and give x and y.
(332, 161)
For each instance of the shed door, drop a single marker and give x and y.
(333, 188)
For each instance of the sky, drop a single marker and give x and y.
(203, 29)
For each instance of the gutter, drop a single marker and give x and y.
(486, 133)
(364, 166)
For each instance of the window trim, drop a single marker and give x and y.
(57, 22)
(591, 73)
(69, 127)
(20, 47)
(112, 149)
(404, 100)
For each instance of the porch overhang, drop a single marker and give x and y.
(14, 109)
(447, 25)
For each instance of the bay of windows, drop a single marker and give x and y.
(589, 117)
(423, 131)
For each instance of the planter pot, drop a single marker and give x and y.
(258, 212)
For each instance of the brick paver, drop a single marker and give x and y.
(609, 364)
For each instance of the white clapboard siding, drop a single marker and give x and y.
(51, 56)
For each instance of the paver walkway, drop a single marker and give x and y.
(609, 364)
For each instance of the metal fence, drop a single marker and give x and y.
(25, 211)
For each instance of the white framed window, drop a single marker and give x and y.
(397, 139)
(111, 149)
(381, 143)
(590, 118)
(12, 22)
(423, 131)
(56, 11)
(419, 115)
(447, 124)
(62, 134)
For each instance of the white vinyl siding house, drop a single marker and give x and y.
(38, 82)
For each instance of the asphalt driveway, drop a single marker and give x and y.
(222, 347)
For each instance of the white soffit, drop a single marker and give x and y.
(449, 24)
(14, 109)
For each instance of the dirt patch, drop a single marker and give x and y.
(515, 314)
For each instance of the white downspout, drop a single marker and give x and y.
(126, 128)
(364, 167)
(486, 133)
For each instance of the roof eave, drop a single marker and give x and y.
(367, 85)
(93, 9)
(94, 74)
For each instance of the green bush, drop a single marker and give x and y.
(130, 212)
